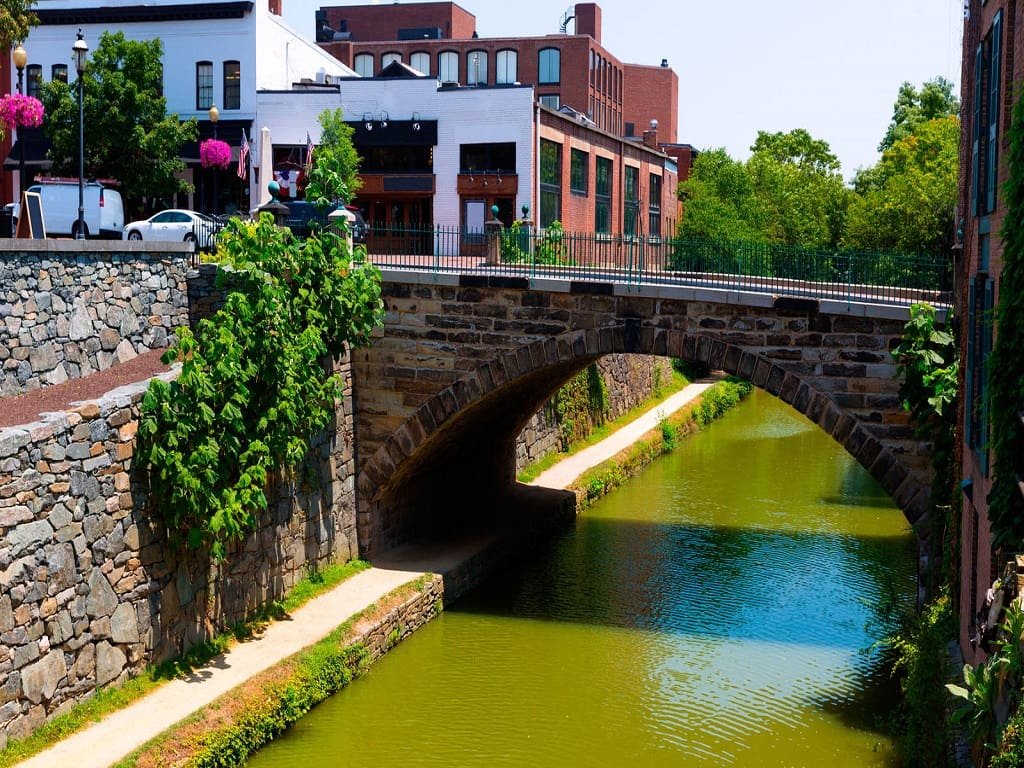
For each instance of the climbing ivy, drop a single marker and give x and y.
(580, 403)
(253, 388)
(1006, 363)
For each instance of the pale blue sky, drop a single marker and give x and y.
(830, 66)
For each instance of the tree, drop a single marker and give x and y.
(797, 147)
(335, 172)
(908, 200)
(718, 200)
(16, 18)
(128, 135)
(913, 108)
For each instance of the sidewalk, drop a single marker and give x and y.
(110, 740)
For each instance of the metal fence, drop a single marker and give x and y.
(633, 260)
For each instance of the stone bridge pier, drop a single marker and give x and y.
(463, 362)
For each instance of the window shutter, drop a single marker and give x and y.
(976, 132)
(986, 353)
(969, 370)
(991, 168)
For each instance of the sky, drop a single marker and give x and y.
(832, 67)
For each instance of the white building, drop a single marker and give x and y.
(215, 53)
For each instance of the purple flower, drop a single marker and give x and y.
(214, 152)
(20, 111)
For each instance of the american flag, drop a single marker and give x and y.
(243, 155)
(309, 152)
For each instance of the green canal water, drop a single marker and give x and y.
(718, 610)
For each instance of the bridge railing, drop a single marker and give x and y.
(643, 259)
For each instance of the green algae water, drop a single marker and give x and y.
(718, 610)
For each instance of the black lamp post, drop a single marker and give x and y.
(80, 50)
(214, 116)
(20, 57)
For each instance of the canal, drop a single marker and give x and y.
(719, 609)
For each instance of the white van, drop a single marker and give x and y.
(104, 208)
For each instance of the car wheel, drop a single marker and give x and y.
(135, 235)
(74, 230)
(190, 237)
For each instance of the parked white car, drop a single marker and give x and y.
(175, 225)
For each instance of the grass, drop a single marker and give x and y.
(535, 469)
(109, 700)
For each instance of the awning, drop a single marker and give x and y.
(36, 146)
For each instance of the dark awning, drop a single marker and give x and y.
(36, 146)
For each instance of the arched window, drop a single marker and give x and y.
(506, 67)
(232, 85)
(389, 57)
(363, 64)
(204, 84)
(549, 66)
(420, 61)
(448, 67)
(476, 68)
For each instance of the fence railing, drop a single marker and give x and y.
(633, 260)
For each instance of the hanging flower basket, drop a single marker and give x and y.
(20, 111)
(214, 153)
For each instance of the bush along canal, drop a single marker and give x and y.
(720, 608)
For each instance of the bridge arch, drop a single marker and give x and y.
(473, 422)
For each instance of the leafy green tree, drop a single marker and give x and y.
(335, 172)
(908, 203)
(797, 147)
(16, 19)
(913, 107)
(718, 200)
(128, 134)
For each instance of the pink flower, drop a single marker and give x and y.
(214, 152)
(20, 111)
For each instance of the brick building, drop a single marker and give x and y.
(993, 60)
(575, 70)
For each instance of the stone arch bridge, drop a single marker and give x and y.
(462, 362)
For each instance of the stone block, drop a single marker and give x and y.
(29, 537)
(123, 625)
(101, 600)
(39, 681)
(110, 662)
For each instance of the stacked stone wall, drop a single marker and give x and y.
(630, 380)
(90, 589)
(66, 312)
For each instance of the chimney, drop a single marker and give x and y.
(651, 135)
(274, 6)
(588, 20)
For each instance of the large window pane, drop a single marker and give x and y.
(654, 206)
(549, 66)
(33, 79)
(630, 208)
(232, 85)
(506, 67)
(420, 61)
(476, 68)
(448, 67)
(204, 84)
(603, 196)
(579, 171)
(363, 64)
(550, 182)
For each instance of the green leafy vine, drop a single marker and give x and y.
(254, 387)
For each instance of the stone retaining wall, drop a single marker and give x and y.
(630, 379)
(69, 308)
(90, 590)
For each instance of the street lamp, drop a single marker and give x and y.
(214, 117)
(80, 50)
(20, 57)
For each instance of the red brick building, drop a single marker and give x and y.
(576, 70)
(993, 61)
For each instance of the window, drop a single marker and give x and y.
(654, 206)
(603, 196)
(420, 61)
(985, 120)
(389, 57)
(204, 84)
(579, 171)
(363, 64)
(979, 348)
(550, 182)
(33, 79)
(448, 67)
(631, 201)
(476, 68)
(59, 73)
(549, 65)
(549, 100)
(506, 67)
(232, 85)
(490, 157)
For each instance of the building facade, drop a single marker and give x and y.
(992, 63)
(576, 70)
